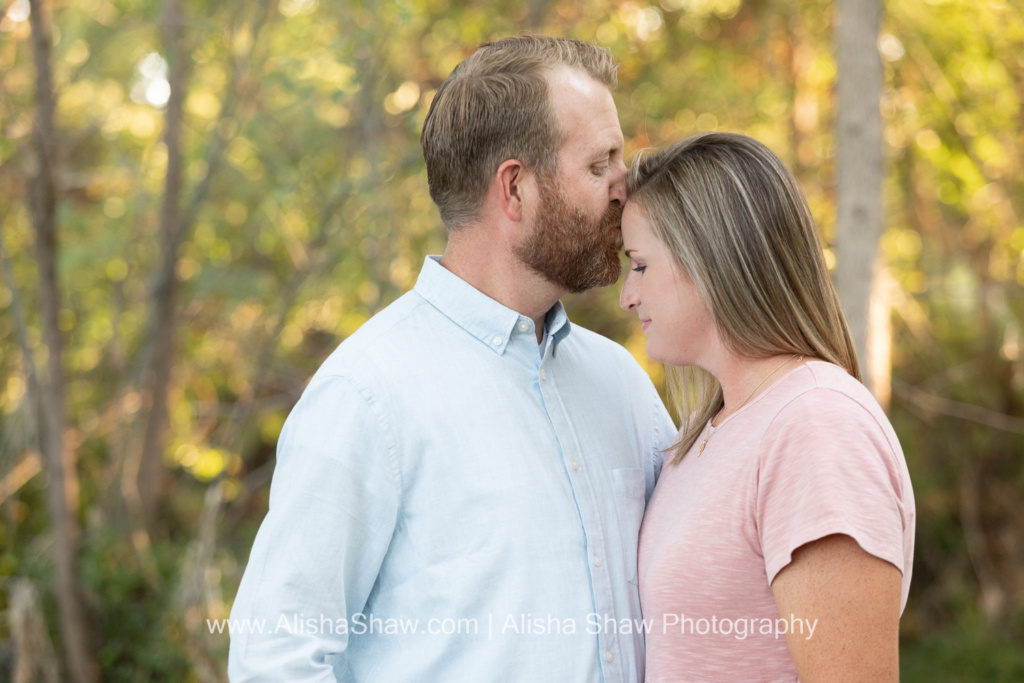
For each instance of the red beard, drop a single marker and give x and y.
(568, 247)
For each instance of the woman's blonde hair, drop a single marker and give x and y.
(734, 218)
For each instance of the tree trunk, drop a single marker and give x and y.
(860, 171)
(156, 376)
(33, 652)
(62, 492)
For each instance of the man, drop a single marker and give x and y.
(459, 490)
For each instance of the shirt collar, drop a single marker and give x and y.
(480, 315)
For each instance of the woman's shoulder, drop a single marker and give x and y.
(822, 403)
(821, 381)
(822, 396)
(831, 384)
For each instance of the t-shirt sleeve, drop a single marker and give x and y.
(827, 467)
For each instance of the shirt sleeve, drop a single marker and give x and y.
(827, 467)
(663, 435)
(333, 508)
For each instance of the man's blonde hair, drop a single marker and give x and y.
(496, 106)
(735, 220)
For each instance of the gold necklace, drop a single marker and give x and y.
(711, 426)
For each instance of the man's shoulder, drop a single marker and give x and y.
(381, 339)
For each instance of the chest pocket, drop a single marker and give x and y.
(629, 486)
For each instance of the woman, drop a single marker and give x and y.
(778, 542)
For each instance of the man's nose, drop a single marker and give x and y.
(618, 188)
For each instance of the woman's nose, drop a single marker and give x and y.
(627, 297)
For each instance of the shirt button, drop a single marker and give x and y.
(497, 341)
(543, 373)
(597, 562)
(609, 657)
(524, 326)
(575, 464)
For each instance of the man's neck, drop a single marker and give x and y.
(501, 276)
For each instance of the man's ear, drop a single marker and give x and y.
(515, 185)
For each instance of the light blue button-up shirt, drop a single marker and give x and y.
(453, 503)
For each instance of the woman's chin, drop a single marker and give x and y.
(659, 356)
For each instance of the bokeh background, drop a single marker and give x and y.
(199, 200)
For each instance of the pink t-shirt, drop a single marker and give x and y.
(812, 455)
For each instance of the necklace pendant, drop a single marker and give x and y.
(702, 445)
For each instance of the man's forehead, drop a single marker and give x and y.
(570, 86)
(568, 77)
(578, 97)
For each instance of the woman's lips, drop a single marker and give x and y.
(645, 324)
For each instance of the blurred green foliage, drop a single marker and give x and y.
(143, 635)
(308, 211)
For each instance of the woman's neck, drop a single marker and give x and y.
(744, 379)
